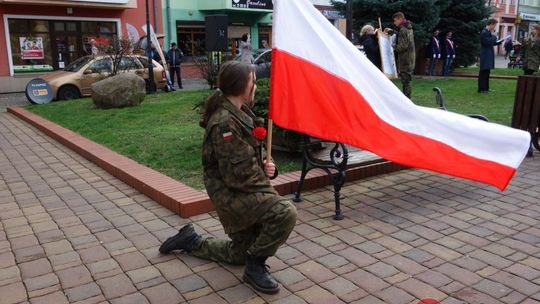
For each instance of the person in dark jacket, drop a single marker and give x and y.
(487, 55)
(434, 52)
(153, 53)
(174, 57)
(237, 179)
(449, 53)
(368, 39)
(508, 45)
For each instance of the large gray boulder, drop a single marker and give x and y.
(124, 90)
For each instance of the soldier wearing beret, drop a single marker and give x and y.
(236, 176)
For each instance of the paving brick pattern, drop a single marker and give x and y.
(72, 233)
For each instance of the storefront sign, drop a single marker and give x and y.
(531, 17)
(31, 48)
(38, 91)
(32, 68)
(256, 4)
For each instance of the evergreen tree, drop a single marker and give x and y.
(424, 14)
(465, 19)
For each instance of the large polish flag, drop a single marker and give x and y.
(323, 86)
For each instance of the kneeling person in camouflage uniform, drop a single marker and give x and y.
(236, 177)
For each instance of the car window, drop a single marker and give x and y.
(76, 65)
(127, 63)
(264, 58)
(144, 61)
(101, 65)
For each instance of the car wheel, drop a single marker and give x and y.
(68, 92)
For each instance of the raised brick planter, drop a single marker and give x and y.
(169, 192)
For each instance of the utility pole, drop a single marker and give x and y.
(151, 85)
(349, 17)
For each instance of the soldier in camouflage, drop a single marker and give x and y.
(530, 51)
(236, 177)
(405, 50)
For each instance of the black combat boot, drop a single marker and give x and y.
(186, 239)
(258, 276)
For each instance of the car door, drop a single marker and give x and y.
(97, 70)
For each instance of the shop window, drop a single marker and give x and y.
(44, 45)
(30, 45)
(191, 40)
(39, 26)
(19, 26)
(89, 27)
(265, 37)
(59, 27)
(71, 26)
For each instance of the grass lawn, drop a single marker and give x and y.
(495, 72)
(461, 97)
(163, 132)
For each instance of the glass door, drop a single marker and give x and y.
(65, 45)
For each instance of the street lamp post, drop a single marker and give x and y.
(349, 16)
(151, 85)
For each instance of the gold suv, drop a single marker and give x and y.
(77, 78)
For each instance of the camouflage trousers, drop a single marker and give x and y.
(406, 79)
(261, 240)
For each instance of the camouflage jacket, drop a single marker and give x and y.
(406, 54)
(233, 169)
(530, 52)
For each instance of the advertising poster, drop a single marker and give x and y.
(31, 47)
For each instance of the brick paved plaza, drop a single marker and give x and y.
(70, 232)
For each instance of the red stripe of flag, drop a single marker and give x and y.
(304, 95)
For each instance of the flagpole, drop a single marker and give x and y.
(269, 141)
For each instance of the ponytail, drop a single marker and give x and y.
(211, 104)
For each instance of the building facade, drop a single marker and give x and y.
(184, 22)
(39, 36)
(505, 12)
(529, 13)
(334, 16)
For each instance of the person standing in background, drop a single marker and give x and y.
(405, 50)
(450, 53)
(530, 51)
(153, 53)
(508, 45)
(368, 39)
(174, 57)
(94, 49)
(245, 49)
(487, 55)
(434, 52)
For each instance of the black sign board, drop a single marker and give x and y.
(256, 4)
(38, 91)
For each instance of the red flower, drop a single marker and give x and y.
(259, 133)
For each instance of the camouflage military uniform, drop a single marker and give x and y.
(530, 52)
(254, 216)
(406, 56)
